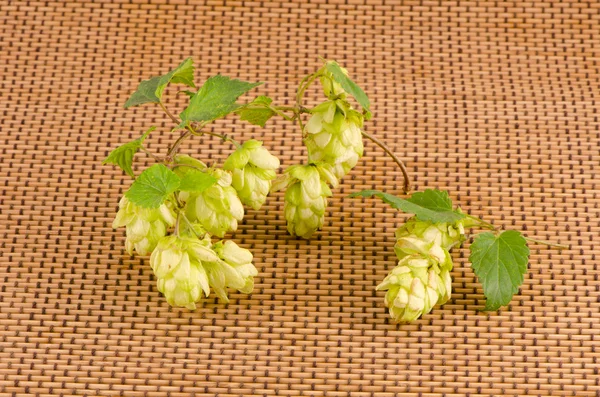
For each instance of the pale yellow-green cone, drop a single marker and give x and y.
(179, 266)
(425, 235)
(332, 88)
(240, 259)
(186, 267)
(253, 169)
(218, 209)
(305, 199)
(414, 287)
(334, 136)
(144, 226)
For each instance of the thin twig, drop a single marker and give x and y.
(394, 157)
(155, 157)
(548, 243)
(164, 108)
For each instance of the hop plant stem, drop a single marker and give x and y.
(394, 157)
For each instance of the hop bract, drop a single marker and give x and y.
(253, 169)
(414, 286)
(185, 267)
(305, 199)
(144, 226)
(218, 209)
(334, 136)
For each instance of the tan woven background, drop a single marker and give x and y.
(494, 101)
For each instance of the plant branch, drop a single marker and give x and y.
(481, 222)
(394, 157)
(155, 157)
(164, 108)
(548, 243)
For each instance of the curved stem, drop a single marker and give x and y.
(175, 148)
(394, 157)
(164, 108)
(155, 157)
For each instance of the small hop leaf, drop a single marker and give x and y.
(430, 206)
(150, 91)
(349, 86)
(257, 112)
(215, 99)
(123, 155)
(153, 186)
(500, 263)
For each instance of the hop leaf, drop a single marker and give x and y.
(257, 112)
(215, 99)
(123, 155)
(153, 186)
(349, 86)
(430, 205)
(500, 263)
(150, 91)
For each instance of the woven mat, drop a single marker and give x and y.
(494, 101)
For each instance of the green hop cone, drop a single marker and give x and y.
(218, 209)
(334, 136)
(253, 169)
(415, 286)
(305, 199)
(144, 226)
(187, 266)
(331, 88)
(446, 235)
(240, 259)
(179, 266)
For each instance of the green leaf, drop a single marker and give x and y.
(215, 99)
(150, 91)
(500, 263)
(433, 199)
(153, 186)
(123, 155)
(349, 86)
(420, 208)
(196, 181)
(257, 111)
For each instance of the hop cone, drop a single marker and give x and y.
(334, 136)
(253, 169)
(445, 235)
(332, 88)
(240, 259)
(416, 285)
(218, 208)
(178, 264)
(185, 267)
(144, 226)
(305, 199)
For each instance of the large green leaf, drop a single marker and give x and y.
(123, 155)
(215, 99)
(153, 186)
(426, 205)
(150, 91)
(500, 263)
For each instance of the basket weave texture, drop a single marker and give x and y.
(495, 102)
